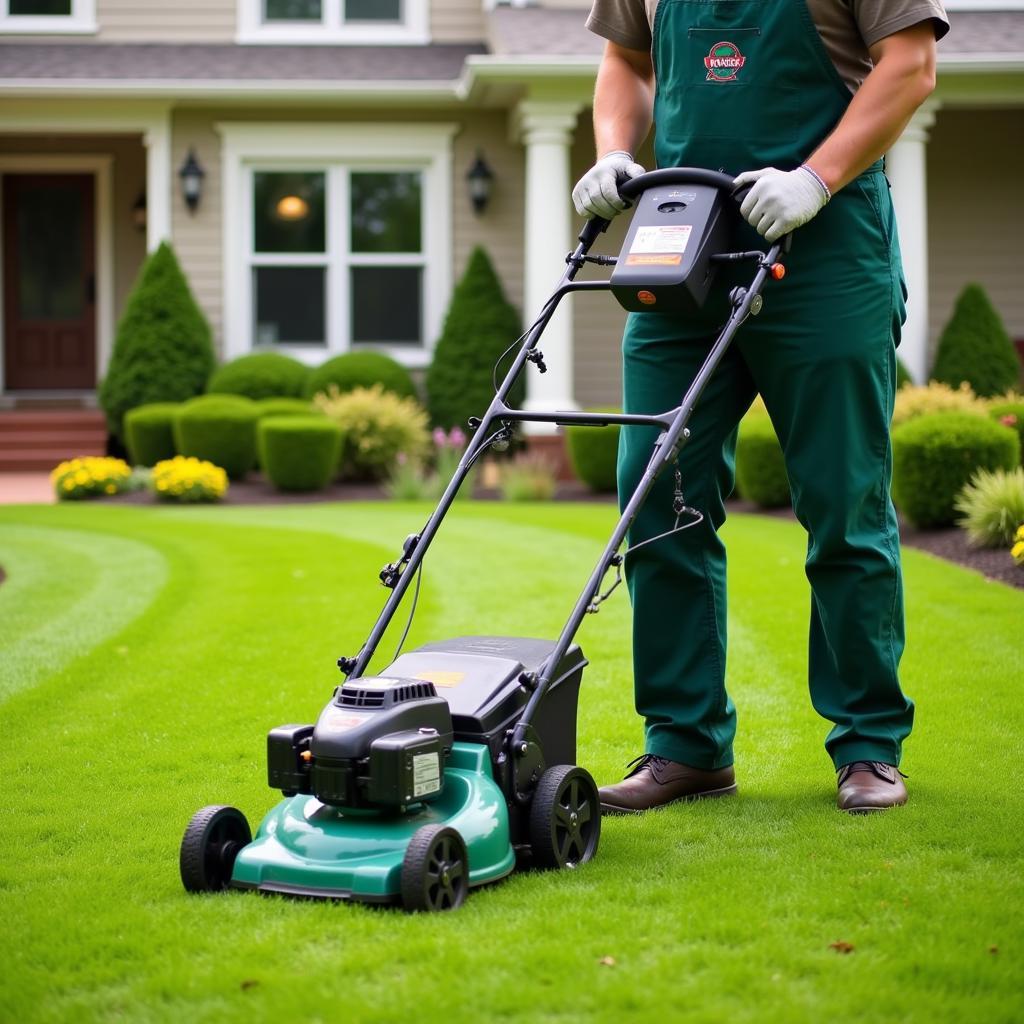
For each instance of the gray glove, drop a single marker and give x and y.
(781, 201)
(597, 193)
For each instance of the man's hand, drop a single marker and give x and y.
(597, 193)
(781, 201)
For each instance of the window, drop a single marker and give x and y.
(48, 16)
(333, 21)
(336, 237)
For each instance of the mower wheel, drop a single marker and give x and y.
(565, 818)
(435, 870)
(212, 841)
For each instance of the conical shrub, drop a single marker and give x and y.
(162, 351)
(479, 326)
(975, 347)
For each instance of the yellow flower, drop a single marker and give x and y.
(1018, 549)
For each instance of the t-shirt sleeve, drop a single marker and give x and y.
(877, 19)
(622, 21)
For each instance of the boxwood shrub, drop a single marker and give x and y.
(220, 429)
(361, 370)
(299, 452)
(760, 467)
(593, 452)
(935, 456)
(260, 375)
(285, 407)
(149, 432)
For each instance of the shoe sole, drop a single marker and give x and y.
(689, 798)
(869, 810)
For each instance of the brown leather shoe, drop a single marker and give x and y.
(657, 782)
(869, 786)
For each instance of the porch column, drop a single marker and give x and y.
(907, 167)
(157, 140)
(547, 128)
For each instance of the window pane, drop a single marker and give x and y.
(289, 305)
(40, 7)
(386, 212)
(386, 303)
(373, 10)
(292, 10)
(288, 211)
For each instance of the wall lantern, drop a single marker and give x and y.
(479, 178)
(139, 212)
(191, 175)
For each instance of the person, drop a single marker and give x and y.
(798, 99)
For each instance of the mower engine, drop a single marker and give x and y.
(380, 744)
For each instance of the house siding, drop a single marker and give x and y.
(457, 21)
(184, 21)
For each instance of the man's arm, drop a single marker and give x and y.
(623, 99)
(902, 78)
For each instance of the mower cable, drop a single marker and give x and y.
(518, 341)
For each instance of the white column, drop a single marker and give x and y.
(907, 167)
(157, 140)
(547, 128)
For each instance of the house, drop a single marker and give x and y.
(308, 160)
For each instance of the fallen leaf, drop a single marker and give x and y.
(993, 950)
(841, 947)
(248, 983)
(607, 961)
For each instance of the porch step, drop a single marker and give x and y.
(39, 439)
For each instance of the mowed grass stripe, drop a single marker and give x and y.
(711, 912)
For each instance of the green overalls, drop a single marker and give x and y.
(744, 84)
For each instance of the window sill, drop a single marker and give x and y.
(47, 27)
(413, 357)
(354, 35)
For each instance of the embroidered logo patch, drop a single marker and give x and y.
(724, 62)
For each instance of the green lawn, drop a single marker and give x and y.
(145, 652)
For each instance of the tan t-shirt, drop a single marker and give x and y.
(847, 27)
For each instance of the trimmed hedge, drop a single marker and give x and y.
(299, 452)
(149, 432)
(479, 326)
(593, 452)
(260, 375)
(935, 456)
(1004, 411)
(220, 429)
(285, 407)
(361, 370)
(975, 347)
(163, 350)
(760, 467)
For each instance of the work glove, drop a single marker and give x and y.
(597, 193)
(781, 201)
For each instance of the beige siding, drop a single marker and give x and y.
(184, 21)
(976, 212)
(457, 21)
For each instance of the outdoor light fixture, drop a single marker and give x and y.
(191, 175)
(292, 208)
(139, 212)
(479, 177)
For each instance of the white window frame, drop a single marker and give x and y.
(81, 21)
(414, 27)
(335, 148)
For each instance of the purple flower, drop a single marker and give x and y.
(440, 437)
(457, 439)
(401, 458)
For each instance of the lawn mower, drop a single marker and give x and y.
(456, 762)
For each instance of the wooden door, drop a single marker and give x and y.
(49, 261)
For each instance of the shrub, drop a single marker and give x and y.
(975, 347)
(361, 370)
(528, 477)
(299, 453)
(903, 377)
(260, 375)
(991, 507)
(285, 407)
(162, 351)
(921, 400)
(760, 467)
(593, 452)
(375, 425)
(935, 456)
(478, 327)
(185, 478)
(149, 432)
(220, 429)
(90, 477)
(1009, 411)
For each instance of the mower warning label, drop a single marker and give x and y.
(655, 259)
(665, 238)
(426, 773)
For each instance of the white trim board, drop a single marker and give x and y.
(414, 27)
(101, 166)
(81, 21)
(426, 147)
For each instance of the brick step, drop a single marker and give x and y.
(49, 419)
(43, 458)
(91, 441)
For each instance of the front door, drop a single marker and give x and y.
(49, 261)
